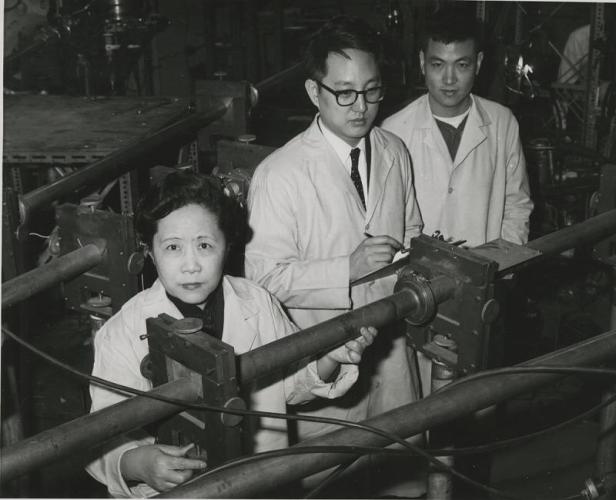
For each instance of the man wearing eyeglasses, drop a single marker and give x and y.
(334, 204)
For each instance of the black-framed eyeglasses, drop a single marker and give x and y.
(347, 97)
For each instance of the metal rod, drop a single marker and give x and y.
(591, 230)
(136, 412)
(115, 164)
(60, 269)
(280, 77)
(326, 335)
(606, 445)
(89, 430)
(253, 479)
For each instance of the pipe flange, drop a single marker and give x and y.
(419, 286)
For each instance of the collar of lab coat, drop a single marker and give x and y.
(380, 163)
(473, 135)
(239, 303)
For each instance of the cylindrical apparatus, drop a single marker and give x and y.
(99, 309)
(440, 483)
(541, 165)
(257, 478)
(117, 163)
(60, 269)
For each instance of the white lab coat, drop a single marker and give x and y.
(575, 56)
(482, 195)
(252, 318)
(307, 219)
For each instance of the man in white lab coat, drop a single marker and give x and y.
(469, 167)
(334, 204)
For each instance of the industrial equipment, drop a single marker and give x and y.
(192, 363)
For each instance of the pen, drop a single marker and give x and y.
(402, 250)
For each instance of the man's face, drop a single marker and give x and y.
(359, 72)
(450, 71)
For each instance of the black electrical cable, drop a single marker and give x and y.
(392, 437)
(349, 449)
(508, 443)
(480, 449)
(538, 369)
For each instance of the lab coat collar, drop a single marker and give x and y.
(473, 135)
(238, 301)
(324, 156)
(380, 163)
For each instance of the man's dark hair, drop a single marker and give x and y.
(181, 188)
(338, 34)
(452, 24)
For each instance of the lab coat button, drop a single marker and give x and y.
(450, 190)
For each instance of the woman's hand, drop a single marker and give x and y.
(351, 352)
(160, 466)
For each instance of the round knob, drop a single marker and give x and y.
(146, 367)
(99, 301)
(231, 419)
(187, 326)
(247, 138)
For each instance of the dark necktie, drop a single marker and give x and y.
(355, 174)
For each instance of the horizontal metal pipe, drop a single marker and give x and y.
(117, 163)
(257, 478)
(590, 231)
(133, 413)
(326, 335)
(59, 269)
(279, 78)
(90, 430)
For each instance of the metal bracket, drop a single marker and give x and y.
(179, 348)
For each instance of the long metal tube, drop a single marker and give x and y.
(115, 164)
(256, 478)
(281, 77)
(318, 338)
(136, 412)
(591, 230)
(59, 269)
(95, 428)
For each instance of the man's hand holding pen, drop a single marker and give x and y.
(371, 254)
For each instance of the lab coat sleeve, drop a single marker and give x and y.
(518, 204)
(413, 221)
(273, 256)
(302, 383)
(113, 362)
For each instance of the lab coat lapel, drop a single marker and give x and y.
(380, 165)
(241, 318)
(473, 134)
(432, 136)
(156, 302)
(326, 157)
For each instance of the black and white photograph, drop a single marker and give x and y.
(298, 249)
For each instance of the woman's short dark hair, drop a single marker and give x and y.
(181, 188)
(336, 35)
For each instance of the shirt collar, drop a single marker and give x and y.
(342, 149)
(455, 121)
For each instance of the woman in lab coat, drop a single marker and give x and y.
(188, 225)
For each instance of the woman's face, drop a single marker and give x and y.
(189, 251)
